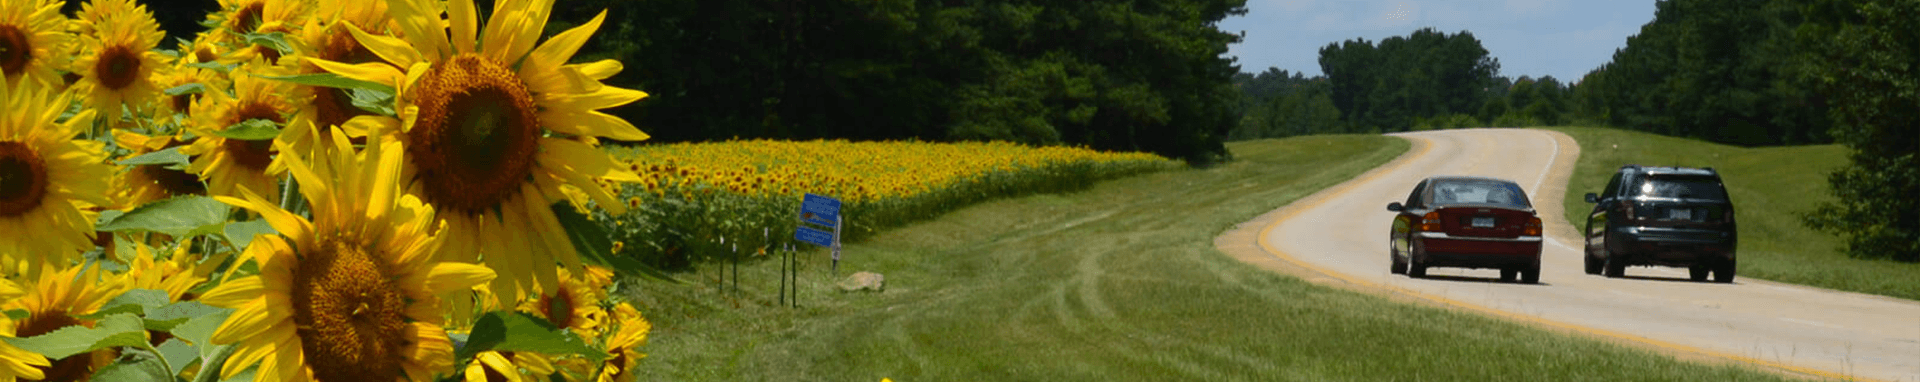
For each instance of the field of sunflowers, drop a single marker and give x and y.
(349, 190)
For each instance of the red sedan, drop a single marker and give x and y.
(1466, 222)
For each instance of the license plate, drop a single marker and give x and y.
(1680, 214)
(1483, 222)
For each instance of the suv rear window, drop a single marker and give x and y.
(1682, 186)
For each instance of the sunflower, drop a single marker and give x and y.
(625, 344)
(227, 164)
(94, 13)
(241, 18)
(16, 363)
(508, 366)
(32, 36)
(351, 295)
(48, 180)
(575, 306)
(117, 60)
(489, 119)
(140, 185)
(57, 300)
(176, 275)
(326, 36)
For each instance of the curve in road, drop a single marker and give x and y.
(1341, 233)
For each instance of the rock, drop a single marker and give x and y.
(864, 282)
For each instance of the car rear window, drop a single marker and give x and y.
(1683, 187)
(1480, 192)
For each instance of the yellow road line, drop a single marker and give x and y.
(1424, 148)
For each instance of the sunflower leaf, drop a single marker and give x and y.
(275, 40)
(177, 354)
(256, 129)
(135, 369)
(596, 245)
(166, 318)
(181, 217)
(199, 330)
(115, 331)
(332, 81)
(517, 331)
(373, 101)
(241, 234)
(214, 66)
(170, 157)
(137, 301)
(191, 88)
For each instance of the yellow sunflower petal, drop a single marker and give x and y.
(499, 364)
(561, 47)
(602, 69)
(591, 123)
(606, 97)
(248, 320)
(462, 18)
(19, 362)
(420, 22)
(389, 48)
(370, 72)
(449, 276)
(234, 293)
(513, 28)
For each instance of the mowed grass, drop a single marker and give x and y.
(1771, 188)
(1119, 282)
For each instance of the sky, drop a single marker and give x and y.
(1562, 38)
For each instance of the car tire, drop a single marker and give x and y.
(1531, 275)
(1724, 273)
(1399, 266)
(1615, 267)
(1594, 264)
(1698, 272)
(1509, 275)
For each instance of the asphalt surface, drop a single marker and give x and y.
(1341, 233)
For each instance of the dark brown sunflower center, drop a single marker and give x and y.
(558, 308)
(350, 314)
(118, 67)
(256, 154)
(78, 367)
(476, 135)
(249, 18)
(23, 178)
(15, 49)
(174, 182)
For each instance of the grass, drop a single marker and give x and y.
(1771, 188)
(1116, 282)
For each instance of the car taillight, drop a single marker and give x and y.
(1626, 208)
(1430, 222)
(1532, 228)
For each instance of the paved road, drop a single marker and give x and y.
(1342, 232)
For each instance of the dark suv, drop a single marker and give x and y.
(1666, 216)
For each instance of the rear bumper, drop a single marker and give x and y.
(1672, 247)
(1439, 249)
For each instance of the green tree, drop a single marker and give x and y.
(1864, 59)
(1403, 78)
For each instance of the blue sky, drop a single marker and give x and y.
(1562, 38)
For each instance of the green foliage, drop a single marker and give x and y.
(1719, 70)
(182, 217)
(1425, 74)
(1117, 76)
(1443, 122)
(256, 129)
(517, 331)
(1276, 105)
(1863, 59)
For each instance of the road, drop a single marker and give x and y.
(1341, 233)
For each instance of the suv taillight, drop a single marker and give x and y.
(1532, 228)
(1626, 210)
(1430, 222)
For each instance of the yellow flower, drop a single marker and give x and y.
(33, 38)
(487, 118)
(576, 306)
(57, 300)
(174, 276)
(140, 185)
(16, 363)
(47, 179)
(327, 37)
(625, 344)
(353, 294)
(227, 164)
(515, 367)
(238, 18)
(117, 60)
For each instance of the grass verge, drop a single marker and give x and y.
(1771, 188)
(1117, 282)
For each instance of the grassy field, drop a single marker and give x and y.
(1117, 282)
(1770, 186)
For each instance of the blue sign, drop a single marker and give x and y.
(820, 210)
(817, 237)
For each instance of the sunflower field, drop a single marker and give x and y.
(332, 190)
(691, 196)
